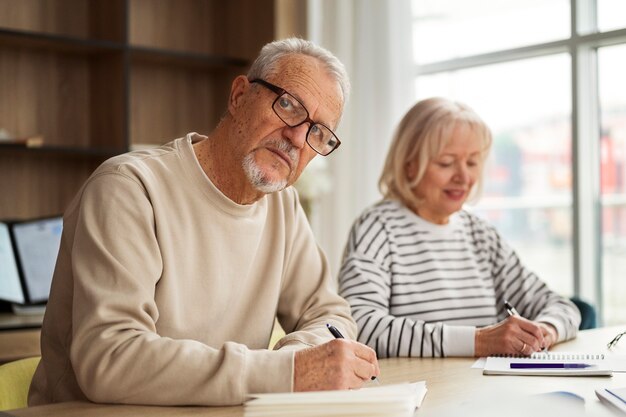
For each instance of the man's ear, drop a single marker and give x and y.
(237, 89)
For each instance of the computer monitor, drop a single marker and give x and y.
(10, 285)
(34, 245)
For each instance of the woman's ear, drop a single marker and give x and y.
(237, 90)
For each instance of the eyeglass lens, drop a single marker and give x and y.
(290, 111)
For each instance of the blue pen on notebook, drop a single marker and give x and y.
(337, 334)
(535, 365)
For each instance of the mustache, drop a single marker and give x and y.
(287, 148)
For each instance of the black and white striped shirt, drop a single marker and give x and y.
(421, 289)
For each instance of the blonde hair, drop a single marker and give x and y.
(422, 134)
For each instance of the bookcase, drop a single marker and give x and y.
(95, 78)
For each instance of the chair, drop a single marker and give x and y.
(15, 380)
(587, 314)
(277, 334)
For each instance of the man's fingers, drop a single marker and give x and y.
(333, 365)
(367, 365)
(367, 354)
(364, 370)
(364, 352)
(364, 363)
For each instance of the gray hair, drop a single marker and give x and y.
(267, 62)
(422, 134)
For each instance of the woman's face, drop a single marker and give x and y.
(449, 176)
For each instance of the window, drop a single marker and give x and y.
(465, 28)
(550, 176)
(610, 14)
(612, 88)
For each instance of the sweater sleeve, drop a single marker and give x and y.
(116, 352)
(530, 295)
(365, 280)
(309, 298)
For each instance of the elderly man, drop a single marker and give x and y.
(175, 261)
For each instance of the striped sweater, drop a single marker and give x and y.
(421, 289)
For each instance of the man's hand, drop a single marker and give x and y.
(515, 335)
(338, 364)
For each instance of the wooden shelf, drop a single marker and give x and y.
(93, 19)
(36, 184)
(61, 151)
(70, 100)
(107, 76)
(12, 321)
(157, 115)
(151, 55)
(60, 43)
(235, 28)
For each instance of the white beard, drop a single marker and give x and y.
(258, 180)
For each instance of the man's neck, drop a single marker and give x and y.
(226, 174)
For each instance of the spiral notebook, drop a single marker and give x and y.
(549, 364)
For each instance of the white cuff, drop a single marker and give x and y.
(458, 340)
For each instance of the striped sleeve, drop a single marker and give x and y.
(530, 295)
(365, 282)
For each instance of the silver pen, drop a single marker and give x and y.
(510, 309)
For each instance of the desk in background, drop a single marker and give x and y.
(451, 382)
(19, 336)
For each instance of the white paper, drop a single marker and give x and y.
(399, 400)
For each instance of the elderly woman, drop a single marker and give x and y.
(425, 277)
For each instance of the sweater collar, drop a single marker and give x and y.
(197, 176)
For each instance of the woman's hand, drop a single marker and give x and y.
(550, 335)
(514, 336)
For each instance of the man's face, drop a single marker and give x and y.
(273, 154)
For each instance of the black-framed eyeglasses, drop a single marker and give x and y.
(616, 339)
(293, 113)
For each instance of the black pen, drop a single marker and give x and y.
(337, 334)
(334, 331)
(510, 309)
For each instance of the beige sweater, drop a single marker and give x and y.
(165, 291)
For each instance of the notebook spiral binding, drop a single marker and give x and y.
(554, 356)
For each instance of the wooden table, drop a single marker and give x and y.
(454, 388)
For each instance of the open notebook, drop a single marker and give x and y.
(398, 400)
(549, 363)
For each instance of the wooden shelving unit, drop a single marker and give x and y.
(95, 77)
